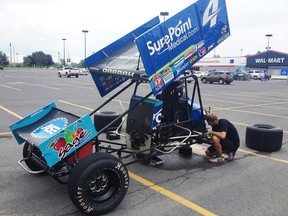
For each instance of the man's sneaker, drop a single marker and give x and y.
(217, 160)
(230, 156)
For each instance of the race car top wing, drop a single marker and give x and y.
(119, 61)
(172, 47)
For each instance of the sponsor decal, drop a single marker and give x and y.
(176, 35)
(158, 81)
(193, 59)
(211, 47)
(190, 52)
(157, 116)
(224, 29)
(68, 140)
(202, 51)
(167, 75)
(118, 72)
(200, 44)
(221, 39)
(48, 129)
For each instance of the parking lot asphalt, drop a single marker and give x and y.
(255, 183)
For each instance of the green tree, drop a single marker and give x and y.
(38, 59)
(28, 61)
(3, 59)
(82, 64)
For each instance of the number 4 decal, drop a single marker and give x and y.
(210, 14)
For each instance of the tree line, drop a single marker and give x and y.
(36, 59)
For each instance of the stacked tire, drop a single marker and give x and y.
(103, 118)
(264, 137)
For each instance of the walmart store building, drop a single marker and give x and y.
(276, 63)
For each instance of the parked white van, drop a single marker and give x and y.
(256, 74)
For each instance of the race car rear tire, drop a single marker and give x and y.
(264, 137)
(98, 183)
(29, 162)
(103, 118)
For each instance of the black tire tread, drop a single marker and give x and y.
(83, 169)
(264, 137)
(103, 118)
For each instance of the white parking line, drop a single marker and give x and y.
(9, 87)
(42, 86)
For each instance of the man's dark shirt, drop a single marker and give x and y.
(231, 132)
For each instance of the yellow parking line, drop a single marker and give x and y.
(263, 156)
(171, 195)
(5, 133)
(12, 113)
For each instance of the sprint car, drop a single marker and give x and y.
(92, 157)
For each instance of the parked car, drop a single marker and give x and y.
(200, 74)
(267, 76)
(259, 74)
(68, 72)
(83, 71)
(241, 75)
(186, 75)
(218, 76)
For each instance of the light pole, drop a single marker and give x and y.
(268, 36)
(268, 47)
(64, 39)
(164, 14)
(14, 63)
(10, 55)
(85, 31)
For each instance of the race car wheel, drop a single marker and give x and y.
(27, 150)
(98, 183)
(103, 118)
(264, 137)
(59, 75)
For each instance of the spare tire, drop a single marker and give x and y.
(264, 137)
(103, 118)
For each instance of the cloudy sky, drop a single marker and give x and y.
(40, 25)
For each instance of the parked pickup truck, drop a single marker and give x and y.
(68, 72)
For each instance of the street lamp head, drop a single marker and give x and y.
(85, 31)
(269, 35)
(63, 39)
(164, 13)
